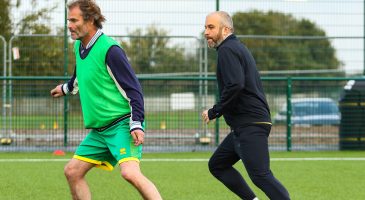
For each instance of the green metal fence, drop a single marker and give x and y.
(164, 38)
(38, 122)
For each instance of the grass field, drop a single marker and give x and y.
(307, 175)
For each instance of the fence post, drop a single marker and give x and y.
(10, 83)
(65, 104)
(4, 84)
(288, 114)
(217, 122)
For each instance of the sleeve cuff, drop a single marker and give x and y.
(212, 114)
(135, 125)
(64, 89)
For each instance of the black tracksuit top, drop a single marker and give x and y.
(241, 97)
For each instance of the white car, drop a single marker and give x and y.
(311, 111)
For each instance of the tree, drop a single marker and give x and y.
(284, 53)
(5, 22)
(153, 52)
(39, 56)
(5, 27)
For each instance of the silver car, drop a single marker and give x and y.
(311, 111)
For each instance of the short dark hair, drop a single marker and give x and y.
(90, 11)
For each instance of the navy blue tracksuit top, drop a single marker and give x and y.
(242, 100)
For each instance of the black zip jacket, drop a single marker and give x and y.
(242, 99)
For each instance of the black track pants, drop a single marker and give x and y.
(249, 144)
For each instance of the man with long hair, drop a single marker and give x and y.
(112, 105)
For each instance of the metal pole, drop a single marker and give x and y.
(201, 97)
(288, 114)
(217, 96)
(217, 122)
(4, 85)
(65, 43)
(205, 81)
(10, 103)
(65, 102)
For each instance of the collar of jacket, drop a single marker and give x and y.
(232, 36)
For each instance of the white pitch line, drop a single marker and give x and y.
(317, 159)
(33, 160)
(175, 160)
(189, 159)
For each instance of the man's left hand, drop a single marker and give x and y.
(138, 137)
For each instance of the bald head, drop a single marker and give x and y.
(224, 19)
(218, 26)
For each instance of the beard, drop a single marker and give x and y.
(214, 42)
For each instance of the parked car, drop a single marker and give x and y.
(311, 111)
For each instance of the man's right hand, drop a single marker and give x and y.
(57, 91)
(205, 116)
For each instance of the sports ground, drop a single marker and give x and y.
(184, 176)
